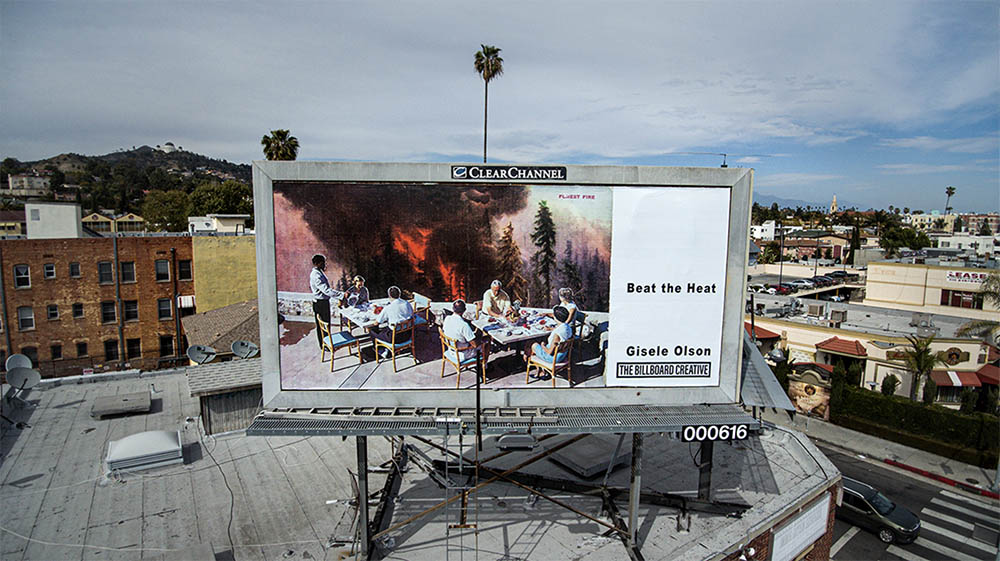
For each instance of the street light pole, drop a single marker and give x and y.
(781, 252)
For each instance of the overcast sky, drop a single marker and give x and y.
(877, 102)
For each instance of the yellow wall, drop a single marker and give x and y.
(225, 270)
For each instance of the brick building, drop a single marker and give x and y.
(100, 303)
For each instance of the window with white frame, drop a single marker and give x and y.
(22, 276)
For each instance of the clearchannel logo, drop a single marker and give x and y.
(515, 173)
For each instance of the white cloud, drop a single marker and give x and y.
(973, 145)
(787, 179)
(919, 169)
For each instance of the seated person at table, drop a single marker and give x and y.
(562, 332)
(457, 328)
(358, 293)
(496, 303)
(396, 311)
(566, 301)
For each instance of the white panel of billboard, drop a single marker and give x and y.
(655, 256)
(668, 276)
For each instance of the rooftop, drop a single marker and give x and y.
(291, 495)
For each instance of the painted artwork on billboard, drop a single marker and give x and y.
(368, 276)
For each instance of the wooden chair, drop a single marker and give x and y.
(332, 342)
(394, 347)
(449, 345)
(421, 309)
(553, 367)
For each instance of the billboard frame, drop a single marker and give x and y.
(738, 180)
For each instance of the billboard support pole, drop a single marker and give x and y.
(635, 489)
(705, 470)
(363, 530)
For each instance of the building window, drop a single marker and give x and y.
(128, 271)
(184, 270)
(105, 272)
(163, 308)
(22, 276)
(166, 345)
(131, 310)
(111, 349)
(32, 354)
(25, 318)
(107, 312)
(74, 270)
(56, 352)
(162, 270)
(52, 312)
(961, 299)
(49, 270)
(81, 349)
(77, 310)
(133, 348)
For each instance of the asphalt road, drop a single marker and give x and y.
(955, 525)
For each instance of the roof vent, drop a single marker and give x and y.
(145, 450)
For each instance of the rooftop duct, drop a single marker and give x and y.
(145, 450)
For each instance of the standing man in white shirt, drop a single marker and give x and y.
(319, 285)
(396, 311)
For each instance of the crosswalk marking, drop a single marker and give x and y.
(979, 516)
(957, 537)
(906, 554)
(843, 540)
(933, 546)
(946, 518)
(970, 500)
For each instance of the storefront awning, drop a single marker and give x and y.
(989, 374)
(953, 378)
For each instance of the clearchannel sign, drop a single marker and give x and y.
(535, 173)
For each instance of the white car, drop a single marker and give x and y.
(802, 283)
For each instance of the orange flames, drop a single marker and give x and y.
(413, 244)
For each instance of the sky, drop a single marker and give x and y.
(879, 103)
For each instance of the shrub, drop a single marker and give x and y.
(968, 399)
(889, 385)
(930, 392)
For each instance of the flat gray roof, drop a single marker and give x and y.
(291, 493)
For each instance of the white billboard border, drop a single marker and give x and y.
(738, 180)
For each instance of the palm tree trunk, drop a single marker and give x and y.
(486, 104)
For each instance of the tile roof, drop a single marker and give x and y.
(842, 346)
(760, 332)
(220, 377)
(826, 367)
(220, 327)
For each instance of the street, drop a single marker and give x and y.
(954, 524)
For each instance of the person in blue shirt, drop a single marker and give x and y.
(319, 285)
(562, 332)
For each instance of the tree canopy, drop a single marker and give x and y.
(280, 145)
(167, 211)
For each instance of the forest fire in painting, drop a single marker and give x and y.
(448, 241)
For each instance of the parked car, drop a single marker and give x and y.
(820, 281)
(803, 284)
(866, 507)
(829, 279)
(789, 287)
(757, 287)
(776, 289)
(838, 275)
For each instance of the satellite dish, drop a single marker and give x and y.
(23, 378)
(776, 355)
(17, 361)
(200, 354)
(244, 349)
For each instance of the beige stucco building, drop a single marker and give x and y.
(952, 291)
(225, 270)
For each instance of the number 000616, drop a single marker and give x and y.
(714, 432)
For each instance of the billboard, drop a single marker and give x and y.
(647, 263)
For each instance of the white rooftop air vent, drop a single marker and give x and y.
(145, 450)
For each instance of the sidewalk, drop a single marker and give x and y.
(936, 467)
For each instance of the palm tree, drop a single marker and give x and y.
(280, 145)
(488, 65)
(949, 190)
(985, 328)
(920, 360)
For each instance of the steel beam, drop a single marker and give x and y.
(363, 529)
(705, 471)
(635, 489)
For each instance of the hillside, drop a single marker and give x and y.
(145, 157)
